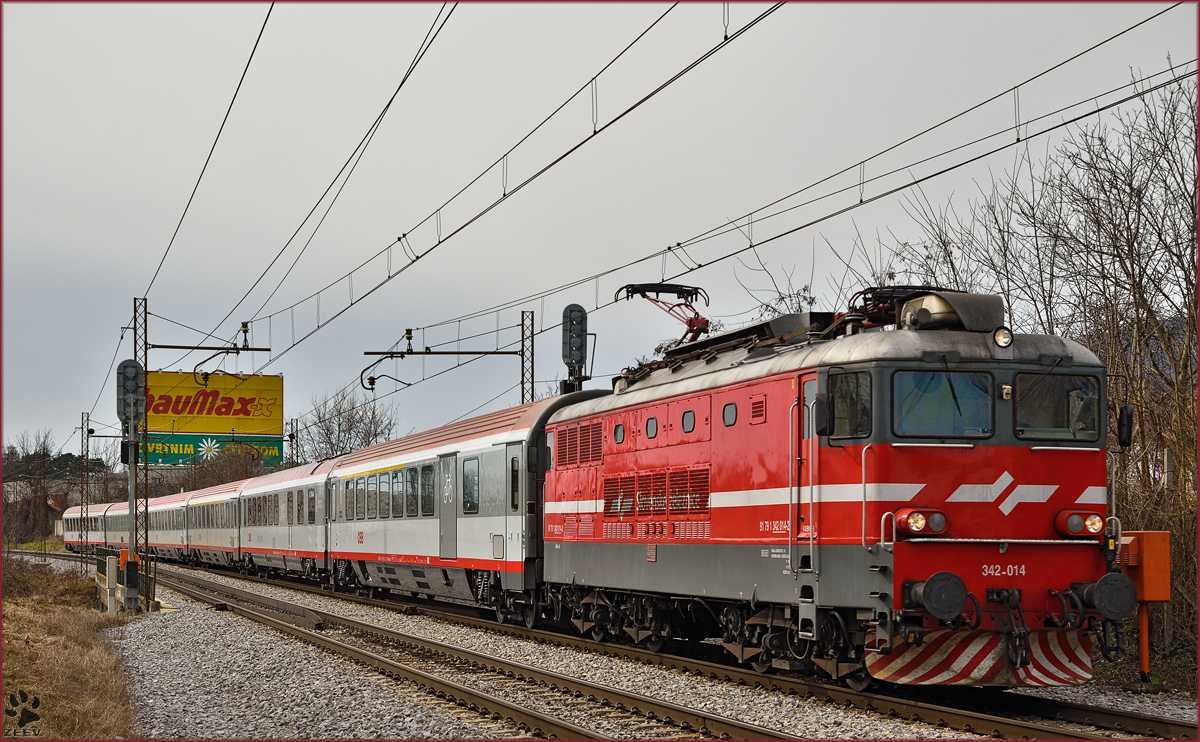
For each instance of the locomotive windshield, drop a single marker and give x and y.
(939, 403)
(1057, 407)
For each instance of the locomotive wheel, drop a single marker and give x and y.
(531, 613)
(598, 633)
(761, 663)
(655, 643)
(501, 615)
(859, 680)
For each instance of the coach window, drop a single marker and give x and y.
(470, 486)
(515, 484)
(312, 506)
(273, 507)
(427, 495)
(372, 497)
(411, 493)
(689, 421)
(652, 427)
(290, 504)
(300, 507)
(618, 433)
(398, 493)
(729, 414)
(851, 398)
(942, 404)
(360, 499)
(348, 497)
(385, 495)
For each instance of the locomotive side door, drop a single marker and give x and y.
(448, 517)
(808, 507)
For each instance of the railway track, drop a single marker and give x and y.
(425, 661)
(979, 711)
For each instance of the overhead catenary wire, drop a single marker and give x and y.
(425, 45)
(856, 164)
(210, 154)
(350, 162)
(479, 215)
(915, 182)
(725, 229)
(964, 112)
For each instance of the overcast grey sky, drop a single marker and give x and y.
(110, 110)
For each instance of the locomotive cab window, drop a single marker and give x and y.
(941, 404)
(689, 421)
(1057, 407)
(652, 427)
(470, 486)
(850, 395)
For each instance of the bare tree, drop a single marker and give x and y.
(341, 423)
(1097, 242)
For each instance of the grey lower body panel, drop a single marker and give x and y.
(757, 572)
(446, 582)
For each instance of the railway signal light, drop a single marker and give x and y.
(131, 391)
(574, 333)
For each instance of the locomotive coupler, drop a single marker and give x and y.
(1112, 638)
(1015, 628)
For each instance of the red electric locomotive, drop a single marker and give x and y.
(905, 491)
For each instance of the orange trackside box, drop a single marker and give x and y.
(1146, 559)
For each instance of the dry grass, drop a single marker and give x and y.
(54, 650)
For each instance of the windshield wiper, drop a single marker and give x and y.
(950, 381)
(1040, 379)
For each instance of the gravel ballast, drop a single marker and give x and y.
(810, 718)
(199, 673)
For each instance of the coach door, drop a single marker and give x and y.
(448, 481)
(511, 547)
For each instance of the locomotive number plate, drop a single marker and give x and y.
(1003, 570)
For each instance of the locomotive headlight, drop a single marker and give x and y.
(937, 522)
(916, 522)
(1078, 524)
(1003, 337)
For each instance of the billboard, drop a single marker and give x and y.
(190, 421)
(196, 448)
(177, 402)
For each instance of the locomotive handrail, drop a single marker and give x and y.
(887, 546)
(1048, 541)
(812, 483)
(1064, 448)
(791, 466)
(930, 445)
(864, 500)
